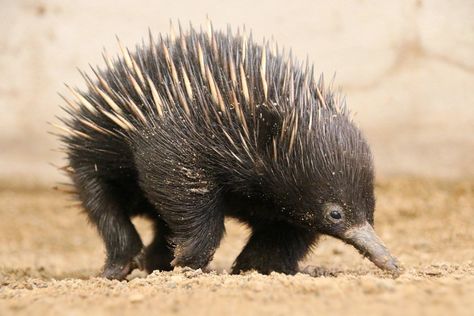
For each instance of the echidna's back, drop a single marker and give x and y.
(196, 75)
(221, 89)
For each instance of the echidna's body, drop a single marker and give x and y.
(190, 129)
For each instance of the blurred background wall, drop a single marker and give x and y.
(406, 67)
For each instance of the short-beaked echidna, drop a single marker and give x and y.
(191, 128)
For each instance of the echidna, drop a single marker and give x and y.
(191, 128)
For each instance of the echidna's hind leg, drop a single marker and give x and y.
(108, 206)
(159, 253)
(274, 247)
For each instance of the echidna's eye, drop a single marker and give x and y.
(335, 215)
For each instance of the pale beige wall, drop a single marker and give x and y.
(407, 68)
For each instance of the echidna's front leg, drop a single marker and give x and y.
(197, 234)
(274, 247)
(187, 199)
(105, 208)
(196, 221)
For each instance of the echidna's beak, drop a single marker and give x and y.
(370, 245)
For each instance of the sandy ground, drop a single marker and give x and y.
(49, 257)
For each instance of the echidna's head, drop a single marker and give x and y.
(330, 185)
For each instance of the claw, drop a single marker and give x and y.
(119, 271)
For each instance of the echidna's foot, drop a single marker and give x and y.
(187, 256)
(263, 265)
(116, 271)
(158, 257)
(120, 269)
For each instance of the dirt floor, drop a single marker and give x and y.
(49, 257)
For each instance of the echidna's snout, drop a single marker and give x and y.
(370, 245)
